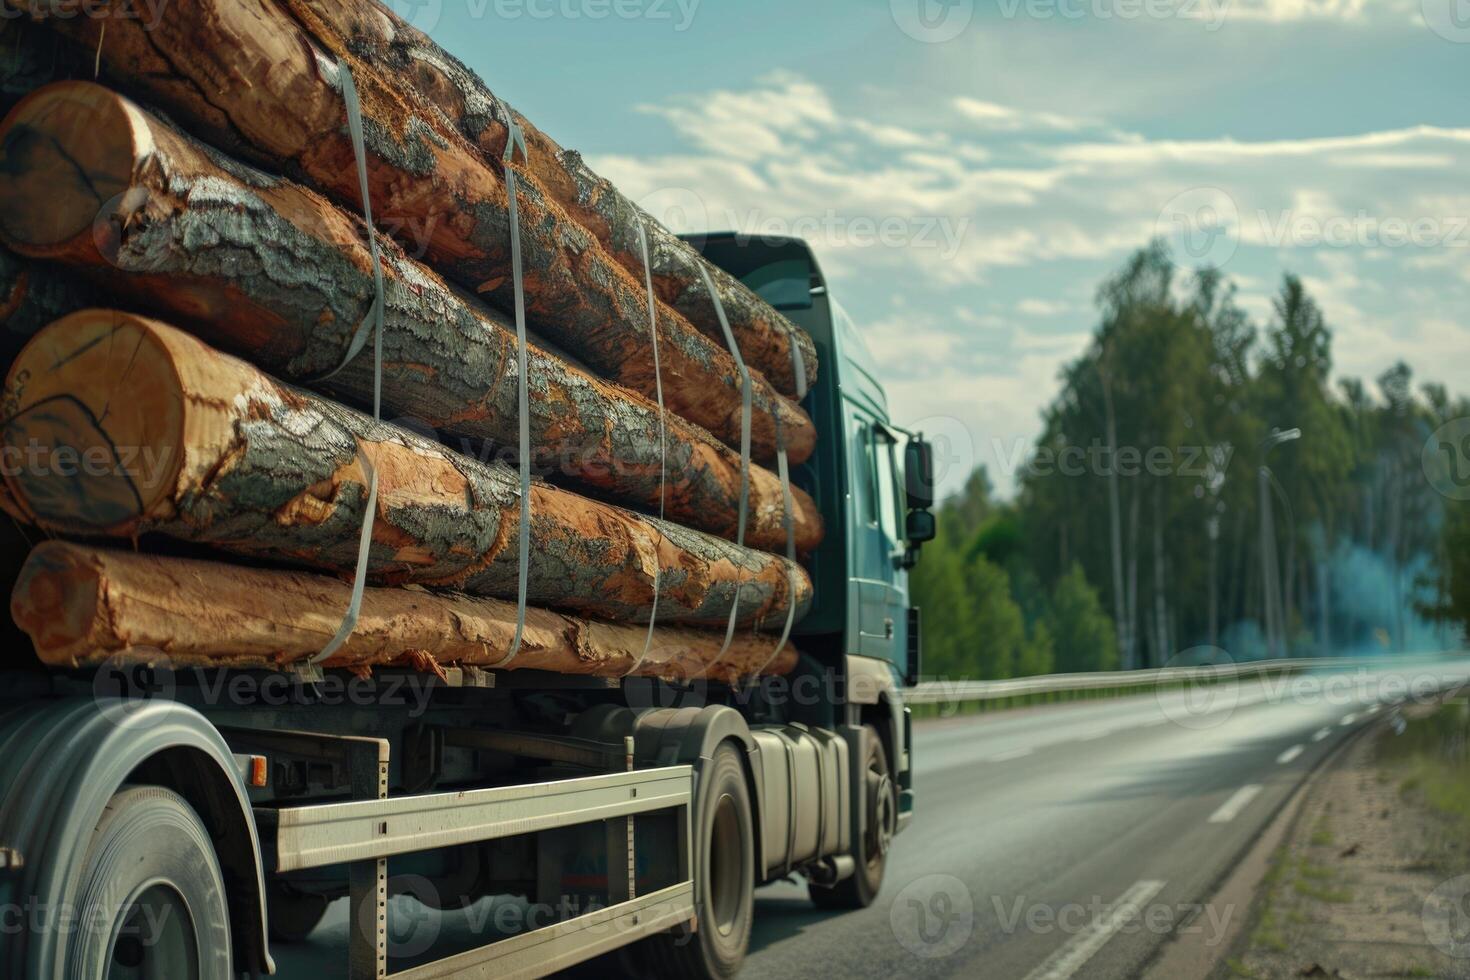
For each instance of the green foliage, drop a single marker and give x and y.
(1135, 533)
(1084, 636)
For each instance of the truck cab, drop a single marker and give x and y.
(872, 480)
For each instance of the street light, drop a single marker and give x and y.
(1270, 570)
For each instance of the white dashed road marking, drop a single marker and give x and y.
(1074, 954)
(1231, 808)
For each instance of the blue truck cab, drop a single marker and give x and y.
(872, 481)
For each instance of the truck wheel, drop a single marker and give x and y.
(293, 915)
(724, 880)
(880, 798)
(151, 901)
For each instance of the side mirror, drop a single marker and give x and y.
(919, 527)
(918, 476)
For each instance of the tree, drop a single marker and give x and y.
(1081, 631)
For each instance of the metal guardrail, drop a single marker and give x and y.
(959, 691)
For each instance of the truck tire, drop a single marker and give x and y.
(880, 798)
(151, 900)
(724, 880)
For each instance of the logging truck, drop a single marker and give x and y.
(169, 822)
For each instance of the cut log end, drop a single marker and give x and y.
(94, 418)
(58, 600)
(67, 153)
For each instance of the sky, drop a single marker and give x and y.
(969, 171)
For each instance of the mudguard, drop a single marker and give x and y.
(60, 763)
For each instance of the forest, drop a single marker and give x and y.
(1206, 489)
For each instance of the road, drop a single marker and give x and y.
(1052, 842)
(1072, 840)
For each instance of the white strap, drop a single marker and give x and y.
(783, 469)
(745, 409)
(516, 139)
(375, 317)
(663, 458)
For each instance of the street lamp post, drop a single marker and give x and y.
(1275, 615)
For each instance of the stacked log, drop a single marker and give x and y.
(128, 426)
(84, 606)
(190, 282)
(373, 33)
(246, 75)
(267, 269)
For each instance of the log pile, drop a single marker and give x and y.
(264, 268)
(187, 288)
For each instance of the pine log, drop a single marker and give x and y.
(373, 32)
(269, 270)
(82, 606)
(124, 426)
(245, 76)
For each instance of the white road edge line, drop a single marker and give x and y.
(1012, 754)
(1074, 954)
(1231, 808)
(1289, 754)
(1321, 734)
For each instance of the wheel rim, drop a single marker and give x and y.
(882, 814)
(725, 864)
(153, 938)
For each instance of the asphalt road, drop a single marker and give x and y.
(1073, 840)
(1060, 841)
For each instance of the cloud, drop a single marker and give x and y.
(1043, 307)
(985, 219)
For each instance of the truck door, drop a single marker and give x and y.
(880, 601)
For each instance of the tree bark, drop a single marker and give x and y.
(371, 31)
(122, 426)
(268, 270)
(83, 606)
(245, 76)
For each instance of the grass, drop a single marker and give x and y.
(1239, 969)
(1320, 892)
(1431, 761)
(1266, 934)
